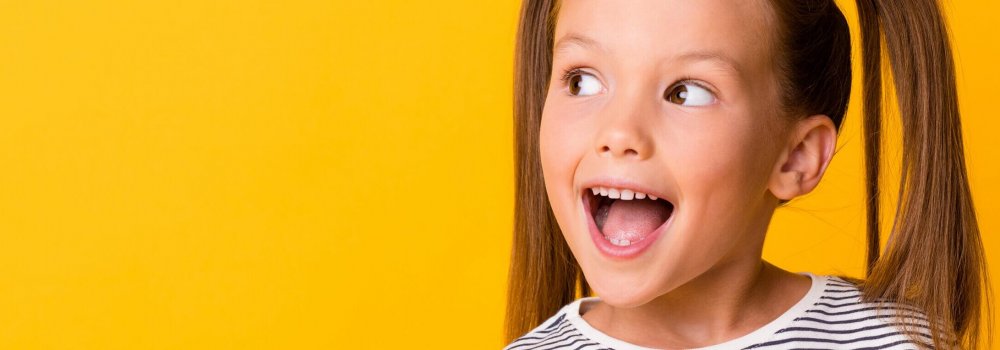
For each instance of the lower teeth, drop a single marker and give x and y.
(619, 242)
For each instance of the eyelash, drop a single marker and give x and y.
(569, 72)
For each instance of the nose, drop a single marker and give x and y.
(625, 136)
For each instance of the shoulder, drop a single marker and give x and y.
(555, 332)
(842, 315)
(841, 297)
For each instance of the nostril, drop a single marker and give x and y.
(628, 152)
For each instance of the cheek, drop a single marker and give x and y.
(724, 168)
(565, 140)
(561, 147)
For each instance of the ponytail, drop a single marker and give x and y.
(543, 274)
(934, 257)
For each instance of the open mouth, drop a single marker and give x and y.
(625, 217)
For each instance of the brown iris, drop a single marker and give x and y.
(574, 83)
(677, 95)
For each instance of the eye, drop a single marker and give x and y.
(689, 94)
(582, 83)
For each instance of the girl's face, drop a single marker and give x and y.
(669, 98)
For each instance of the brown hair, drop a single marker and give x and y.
(934, 260)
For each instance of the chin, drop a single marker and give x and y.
(622, 296)
(628, 290)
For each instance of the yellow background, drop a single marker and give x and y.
(312, 174)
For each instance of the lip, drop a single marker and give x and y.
(621, 252)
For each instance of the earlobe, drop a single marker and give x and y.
(803, 161)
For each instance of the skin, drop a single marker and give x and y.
(725, 165)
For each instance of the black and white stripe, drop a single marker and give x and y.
(833, 318)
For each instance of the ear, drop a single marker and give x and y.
(804, 159)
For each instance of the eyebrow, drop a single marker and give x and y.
(572, 39)
(713, 56)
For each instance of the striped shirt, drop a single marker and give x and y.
(830, 316)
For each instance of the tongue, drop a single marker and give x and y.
(633, 220)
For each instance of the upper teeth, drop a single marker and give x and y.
(620, 193)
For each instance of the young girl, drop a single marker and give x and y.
(655, 139)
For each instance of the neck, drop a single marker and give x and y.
(730, 300)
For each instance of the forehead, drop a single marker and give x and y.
(733, 33)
